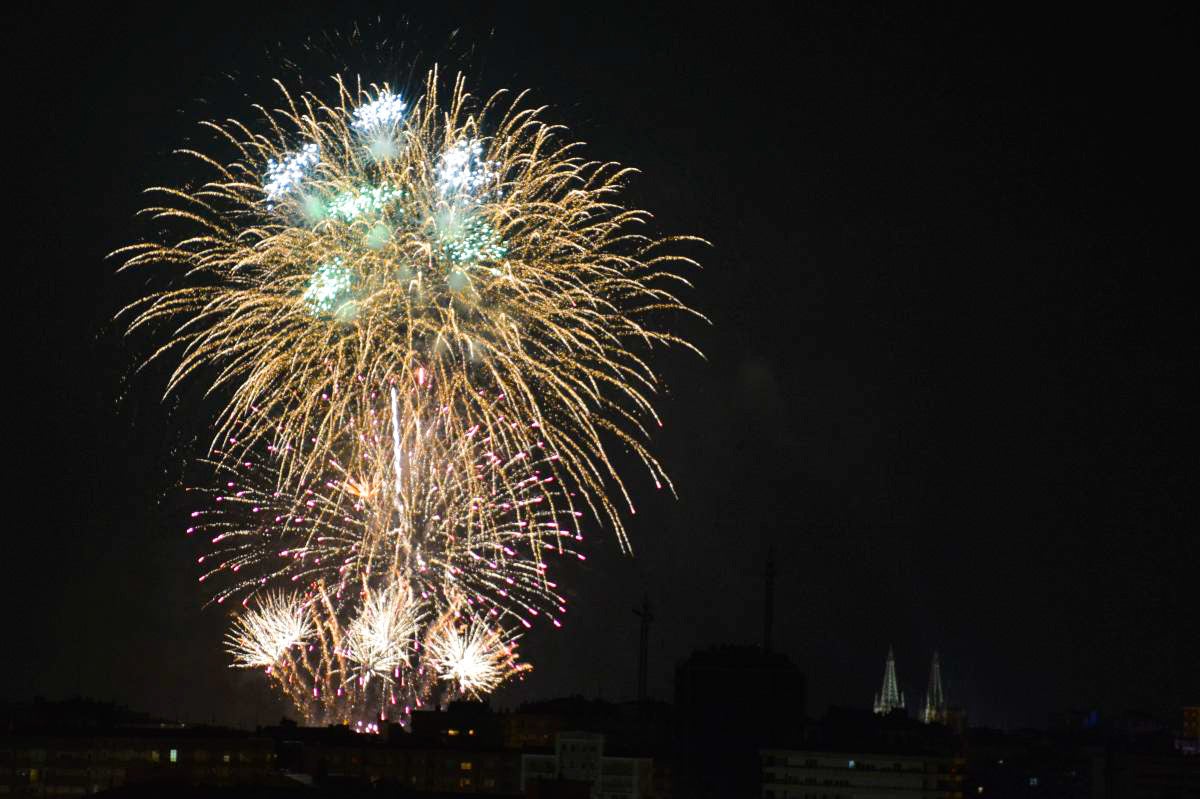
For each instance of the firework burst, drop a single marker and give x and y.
(457, 244)
(400, 502)
(471, 656)
(263, 636)
(428, 320)
(393, 546)
(381, 638)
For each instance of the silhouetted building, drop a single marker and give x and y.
(1191, 723)
(807, 774)
(1029, 763)
(445, 753)
(1130, 758)
(740, 692)
(461, 724)
(1152, 775)
(730, 702)
(1188, 741)
(642, 728)
(579, 759)
(65, 762)
(853, 753)
(1075, 720)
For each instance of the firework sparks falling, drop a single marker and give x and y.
(408, 497)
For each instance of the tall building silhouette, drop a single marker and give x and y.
(935, 698)
(890, 697)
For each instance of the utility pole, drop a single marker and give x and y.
(644, 645)
(768, 598)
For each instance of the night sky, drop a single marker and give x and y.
(946, 375)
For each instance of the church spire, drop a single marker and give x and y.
(935, 698)
(890, 697)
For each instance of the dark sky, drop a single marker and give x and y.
(946, 375)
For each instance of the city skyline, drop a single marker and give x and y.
(945, 376)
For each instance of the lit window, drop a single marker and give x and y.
(466, 766)
(225, 757)
(851, 764)
(174, 755)
(154, 755)
(1033, 782)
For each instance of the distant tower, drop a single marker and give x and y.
(643, 645)
(890, 697)
(769, 599)
(935, 698)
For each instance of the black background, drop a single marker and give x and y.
(946, 375)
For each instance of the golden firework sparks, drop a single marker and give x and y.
(454, 245)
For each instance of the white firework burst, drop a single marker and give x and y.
(263, 635)
(462, 170)
(289, 171)
(471, 655)
(380, 638)
(385, 111)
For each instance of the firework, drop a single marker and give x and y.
(380, 639)
(400, 501)
(381, 661)
(262, 637)
(446, 242)
(471, 656)
(393, 545)
(429, 322)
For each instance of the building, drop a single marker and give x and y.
(805, 774)
(78, 762)
(730, 702)
(1152, 775)
(579, 759)
(889, 697)
(711, 688)
(1191, 723)
(1031, 763)
(851, 754)
(448, 752)
(935, 710)
(644, 728)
